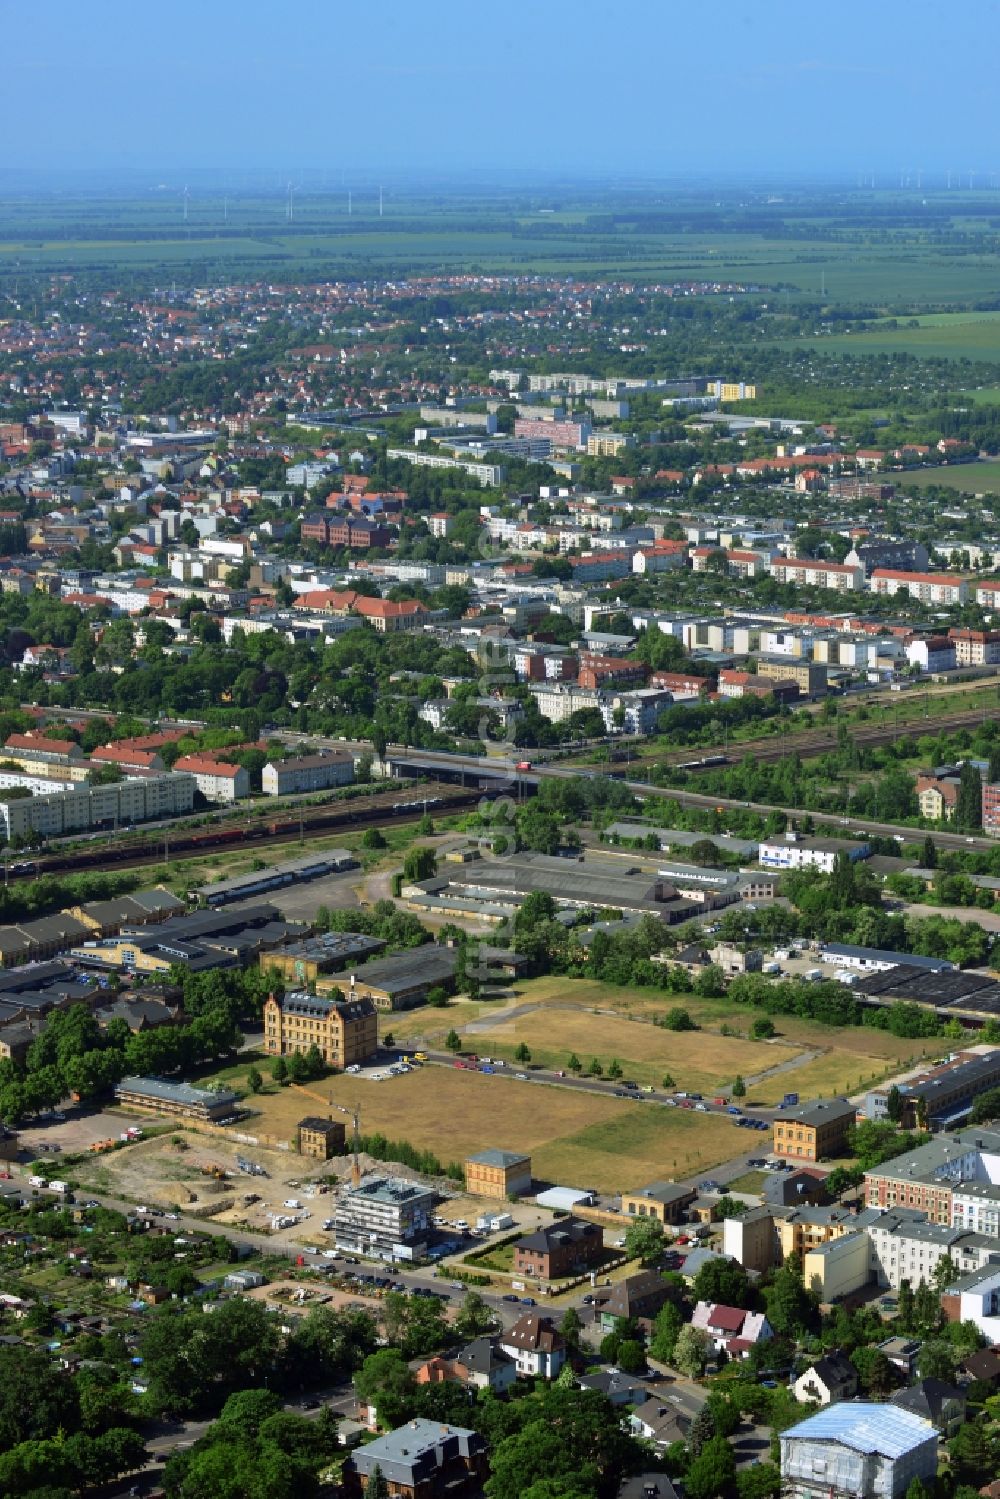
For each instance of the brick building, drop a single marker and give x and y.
(345, 1031)
(813, 1131)
(321, 1138)
(498, 1173)
(567, 1247)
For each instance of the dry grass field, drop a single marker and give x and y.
(697, 1060)
(599, 1020)
(574, 1137)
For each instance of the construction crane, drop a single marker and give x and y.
(353, 1114)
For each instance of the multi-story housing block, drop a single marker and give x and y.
(345, 1031)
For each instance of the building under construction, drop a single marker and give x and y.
(386, 1217)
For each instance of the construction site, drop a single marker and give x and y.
(233, 1180)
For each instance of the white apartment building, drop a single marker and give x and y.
(838, 576)
(904, 1246)
(217, 780)
(307, 773)
(927, 588)
(558, 700)
(139, 799)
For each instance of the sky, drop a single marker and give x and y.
(657, 88)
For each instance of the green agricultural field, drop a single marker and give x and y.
(966, 478)
(959, 335)
(797, 248)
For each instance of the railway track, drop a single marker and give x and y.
(805, 745)
(314, 822)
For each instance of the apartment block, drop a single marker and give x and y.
(345, 1031)
(839, 577)
(926, 588)
(307, 773)
(964, 1165)
(814, 1131)
(385, 1217)
(562, 434)
(808, 676)
(976, 647)
(217, 780)
(141, 799)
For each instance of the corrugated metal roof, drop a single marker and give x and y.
(866, 1427)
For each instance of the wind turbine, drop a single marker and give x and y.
(186, 196)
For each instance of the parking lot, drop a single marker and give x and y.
(74, 1129)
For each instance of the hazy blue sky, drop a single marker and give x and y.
(651, 86)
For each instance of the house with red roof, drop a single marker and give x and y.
(732, 1330)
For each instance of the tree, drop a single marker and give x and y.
(420, 864)
(644, 1240)
(614, 1069)
(739, 1087)
(377, 1486)
(974, 1453)
(523, 1053)
(702, 1430)
(279, 1070)
(874, 1370)
(762, 1028)
(894, 1104)
(929, 855)
(723, 1281)
(254, 1080)
(595, 1069)
(790, 1309)
(691, 1351)
(666, 1326)
(710, 982)
(937, 1360)
(968, 815)
(373, 838)
(631, 1356)
(762, 1481)
(574, 1064)
(571, 1327)
(679, 1020)
(474, 1317)
(385, 1382)
(574, 1437)
(453, 1041)
(712, 1472)
(667, 1081)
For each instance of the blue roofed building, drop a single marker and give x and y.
(857, 1450)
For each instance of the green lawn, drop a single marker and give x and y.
(967, 478)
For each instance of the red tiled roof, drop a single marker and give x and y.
(726, 1318)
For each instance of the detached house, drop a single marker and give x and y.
(731, 1329)
(535, 1345)
(829, 1379)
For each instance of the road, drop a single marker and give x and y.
(467, 765)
